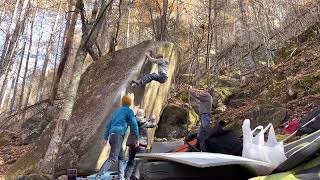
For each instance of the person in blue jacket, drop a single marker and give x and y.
(115, 132)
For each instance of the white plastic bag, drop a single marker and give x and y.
(254, 147)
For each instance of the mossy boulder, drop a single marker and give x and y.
(173, 123)
(32, 128)
(221, 96)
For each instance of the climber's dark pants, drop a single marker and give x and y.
(161, 78)
(134, 165)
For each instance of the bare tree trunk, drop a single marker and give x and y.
(47, 164)
(27, 61)
(209, 39)
(154, 28)
(9, 33)
(164, 30)
(176, 23)
(7, 99)
(2, 13)
(17, 32)
(4, 86)
(128, 23)
(56, 57)
(34, 66)
(245, 25)
(114, 38)
(72, 20)
(17, 79)
(48, 55)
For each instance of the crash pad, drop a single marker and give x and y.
(307, 170)
(206, 160)
(300, 151)
(164, 170)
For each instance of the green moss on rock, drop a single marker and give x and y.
(310, 80)
(3, 141)
(23, 166)
(183, 95)
(223, 92)
(193, 120)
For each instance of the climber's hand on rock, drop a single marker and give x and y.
(104, 142)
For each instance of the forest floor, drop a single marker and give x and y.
(11, 148)
(293, 83)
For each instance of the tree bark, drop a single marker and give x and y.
(9, 93)
(4, 86)
(9, 33)
(209, 39)
(17, 32)
(48, 55)
(72, 20)
(130, 2)
(17, 79)
(114, 37)
(164, 30)
(27, 62)
(34, 66)
(46, 165)
(56, 57)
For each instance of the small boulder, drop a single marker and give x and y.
(265, 114)
(173, 122)
(262, 115)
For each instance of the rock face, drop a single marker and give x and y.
(32, 128)
(173, 122)
(101, 88)
(99, 93)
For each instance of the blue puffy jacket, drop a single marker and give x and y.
(121, 118)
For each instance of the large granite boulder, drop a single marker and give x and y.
(101, 88)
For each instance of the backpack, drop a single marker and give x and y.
(312, 127)
(223, 141)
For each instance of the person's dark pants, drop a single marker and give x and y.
(203, 131)
(134, 165)
(161, 78)
(116, 153)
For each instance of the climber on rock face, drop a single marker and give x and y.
(115, 132)
(162, 74)
(133, 166)
(201, 101)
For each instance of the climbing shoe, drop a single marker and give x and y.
(135, 83)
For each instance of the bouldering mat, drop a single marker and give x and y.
(206, 160)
